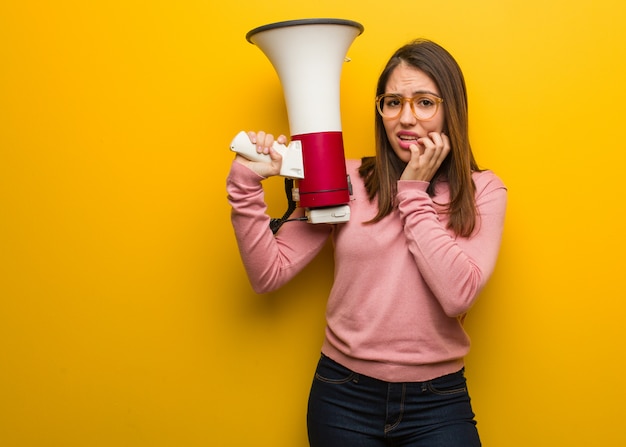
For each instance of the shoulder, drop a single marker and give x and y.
(352, 165)
(486, 181)
(491, 192)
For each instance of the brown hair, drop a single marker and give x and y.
(381, 173)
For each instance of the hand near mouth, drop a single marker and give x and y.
(426, 157)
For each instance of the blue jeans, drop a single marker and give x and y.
(347, 409)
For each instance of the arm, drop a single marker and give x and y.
(270, 260)
(455, 269)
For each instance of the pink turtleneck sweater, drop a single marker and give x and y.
(402, 286)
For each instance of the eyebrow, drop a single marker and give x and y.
(415, 93)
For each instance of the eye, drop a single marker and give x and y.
(392, 102)
(424, 102)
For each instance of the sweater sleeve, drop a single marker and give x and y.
(270, 260)
(455, 268)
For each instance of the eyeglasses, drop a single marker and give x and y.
(423, 105)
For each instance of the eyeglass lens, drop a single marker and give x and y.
(424, 106)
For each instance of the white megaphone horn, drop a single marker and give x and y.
(308, 56)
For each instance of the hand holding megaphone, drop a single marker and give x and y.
(288, 163)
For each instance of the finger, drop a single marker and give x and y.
(446, 139)
(260, 141)
(434, 154)
(282, 139)
(437, 139)
(274, 154)
(252, 136)
(269, 141)
(429, 146)
(446, 146)
(416, 152)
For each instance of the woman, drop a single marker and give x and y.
(422, 241)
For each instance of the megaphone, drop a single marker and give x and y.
(308, 56)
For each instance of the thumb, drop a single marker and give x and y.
(275, 156)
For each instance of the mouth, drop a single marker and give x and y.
(406, 140)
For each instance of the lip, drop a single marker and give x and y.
(406, 139)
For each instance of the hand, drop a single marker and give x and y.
(264, 143)
(426, 157)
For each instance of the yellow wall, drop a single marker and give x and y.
(126, 318)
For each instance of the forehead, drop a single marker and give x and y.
(408, 80)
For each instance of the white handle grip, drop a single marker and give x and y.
(242, 145)
(292, 165)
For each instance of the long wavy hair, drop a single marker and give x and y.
(381, 173)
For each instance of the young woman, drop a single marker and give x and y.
(422, 241)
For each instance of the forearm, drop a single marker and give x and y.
(270, 260)
(455, 268)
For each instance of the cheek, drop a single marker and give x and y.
(440, 121)
(388, 125)
(436, 124)
(434, 127)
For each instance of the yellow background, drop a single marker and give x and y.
(126, 318)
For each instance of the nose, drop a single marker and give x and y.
(407, 118)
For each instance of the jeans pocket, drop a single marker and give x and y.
(329, 371)
(449, 384)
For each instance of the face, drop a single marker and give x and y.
(405, 129)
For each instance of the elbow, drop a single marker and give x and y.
(263, 278)
(459, 301)
(262, 289)
(458, 308)
(265, 283)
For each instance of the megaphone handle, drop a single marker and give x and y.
(242, 145)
